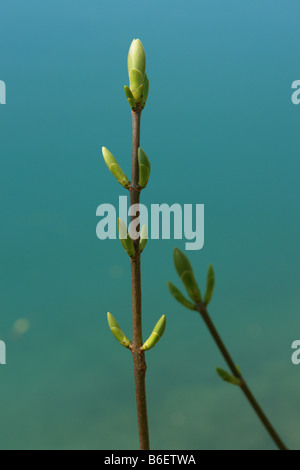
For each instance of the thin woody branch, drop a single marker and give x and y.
(243, 385)
(139, 362)
(134, 245)
(186, 274)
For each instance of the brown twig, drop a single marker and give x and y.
(139, 362)
(252, 400)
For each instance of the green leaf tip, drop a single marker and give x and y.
(115, 168)
(125, 238)
(228, 377)
(130, 97)
(143, 238)
(145, 91)
(144, 168)
(156, 334)
(180, 297)
(117, 332)
(210, 284)
(186, 274)
(136, 79)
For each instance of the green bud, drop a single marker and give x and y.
(144, 168)
(117, 332)
(156, 334)
(228, 377)
(143, 238)
(145, 91)
(186, 274)
(210, 284)
(130, 97)
(180, 297)
(125, 238)
(137, 57)
(139, 83)
(114, 168)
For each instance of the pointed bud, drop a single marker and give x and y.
(125, 238)
(228, 377)
(117, 332)
(144, 168)
(157, 333)
(180, 297)
(137, 57)
(139, 83)
(143, 238)
(114, 168)
(210, 284)
(186, 274)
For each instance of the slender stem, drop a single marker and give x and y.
(252, 400)
(139, 362)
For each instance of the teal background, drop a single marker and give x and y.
(220, 129)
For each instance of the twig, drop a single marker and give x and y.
(201, 308)
(139, 362)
